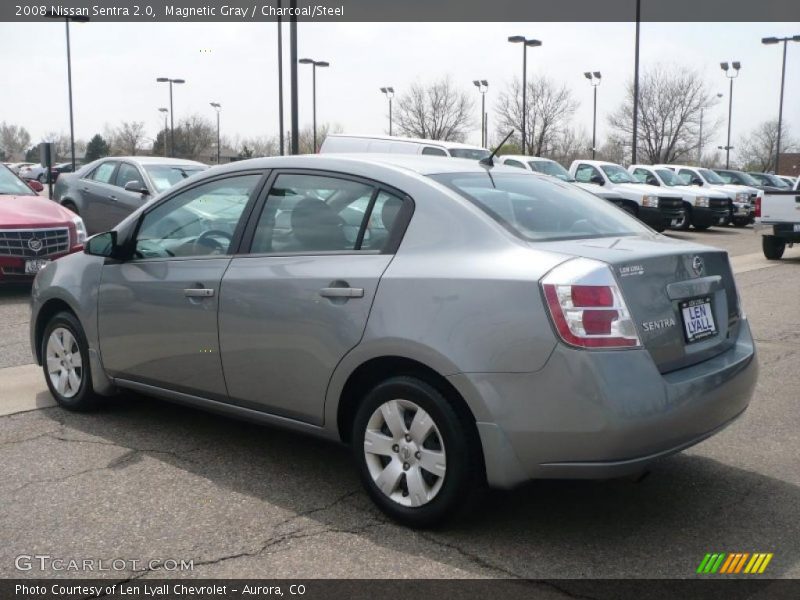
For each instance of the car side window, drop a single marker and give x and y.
(127, 173)
(314, 213)
(200, 221)
(687, 175)
(514, 163)
(584, 173)
(104, 172)
(432, 151)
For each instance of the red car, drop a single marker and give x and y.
(33, 230)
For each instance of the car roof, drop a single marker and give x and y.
(394, 138)
(596, 163)
(423, 165)
(156, 160)
(524, 157)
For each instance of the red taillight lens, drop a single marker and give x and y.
(587, 307)
(758, 205)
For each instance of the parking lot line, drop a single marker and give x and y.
(22, 389)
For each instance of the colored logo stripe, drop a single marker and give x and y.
(734, 562)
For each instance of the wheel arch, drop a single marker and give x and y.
(49, 309)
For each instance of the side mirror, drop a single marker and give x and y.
(34, 185)
(136, 187)
(697, 181)
(102, 244)
(597, 179)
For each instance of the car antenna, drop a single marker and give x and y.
(488, 161)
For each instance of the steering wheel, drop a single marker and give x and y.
(207, 239)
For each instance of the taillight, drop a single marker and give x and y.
(587, 307)
(758, 205)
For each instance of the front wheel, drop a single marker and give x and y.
(773, 247)
(65, 361)
(741, 222)
(419, 460)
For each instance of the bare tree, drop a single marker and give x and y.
(14, 140)
(548, 108)
(127, 139)
(570, 144)
(436, 111)
(193, 135)
(756, 150)
(614, 149)
(671, 99)
(61, 145)
(257, 146)
(306, 136)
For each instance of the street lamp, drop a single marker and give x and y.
(314, 64)
(389, 93)
(171, 111)
(594, 80)
(483, 87)
(164, 139)
(730, 73)
(775, 40)
(77, 19)
(217, 107)
(519, 39)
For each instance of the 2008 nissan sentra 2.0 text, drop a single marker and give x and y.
(456, 323)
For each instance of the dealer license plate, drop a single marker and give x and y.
(35, 265)
(698, 320)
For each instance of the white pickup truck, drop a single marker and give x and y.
(778, 221)
(652, 205)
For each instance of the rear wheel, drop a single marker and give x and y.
(65, 361)
(418, 458)
(741, 221)
(773, 247)
(701, 226)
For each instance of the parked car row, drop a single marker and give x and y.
(39, 172)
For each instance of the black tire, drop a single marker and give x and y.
(741, 222)
(85, 398)
(701, 226)
(69, 205)
(464, 480)
(773, 247)
(687, 219)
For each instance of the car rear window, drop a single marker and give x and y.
(539, 209)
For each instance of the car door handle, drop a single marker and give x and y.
(112, 197)
(198, 292)
(341, 292)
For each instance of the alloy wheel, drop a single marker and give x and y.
(405, 453)
(64, 362)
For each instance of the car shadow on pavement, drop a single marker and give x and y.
(661, 526)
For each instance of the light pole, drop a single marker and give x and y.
(635, 143)
(519, 39)
(164, 139)
(280, 80)
(774, 40)
(217, 107)
(594, 80)
(314, 64)
(171, 111)
(77, 19)
(730, 74)
(483, 87)
(389, 93)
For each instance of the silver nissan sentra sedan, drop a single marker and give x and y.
(456, 323)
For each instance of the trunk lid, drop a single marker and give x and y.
(666, 284)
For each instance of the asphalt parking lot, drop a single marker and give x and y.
(144, 479)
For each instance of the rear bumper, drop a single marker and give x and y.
(784, 231)
(606, 413)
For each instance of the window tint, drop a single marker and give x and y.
(538, 209)
(198, 222)
(471, 153)
(584, 173)
(431, 151)
(127, 172)
(165, 176)
(513, 163)
(104, 172)
(312, 213)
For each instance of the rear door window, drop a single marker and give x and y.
(432, 151)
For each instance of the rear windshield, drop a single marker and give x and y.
(551, 167)
(473, 153)
(12, 185)
(165, 176)
(537, 209)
